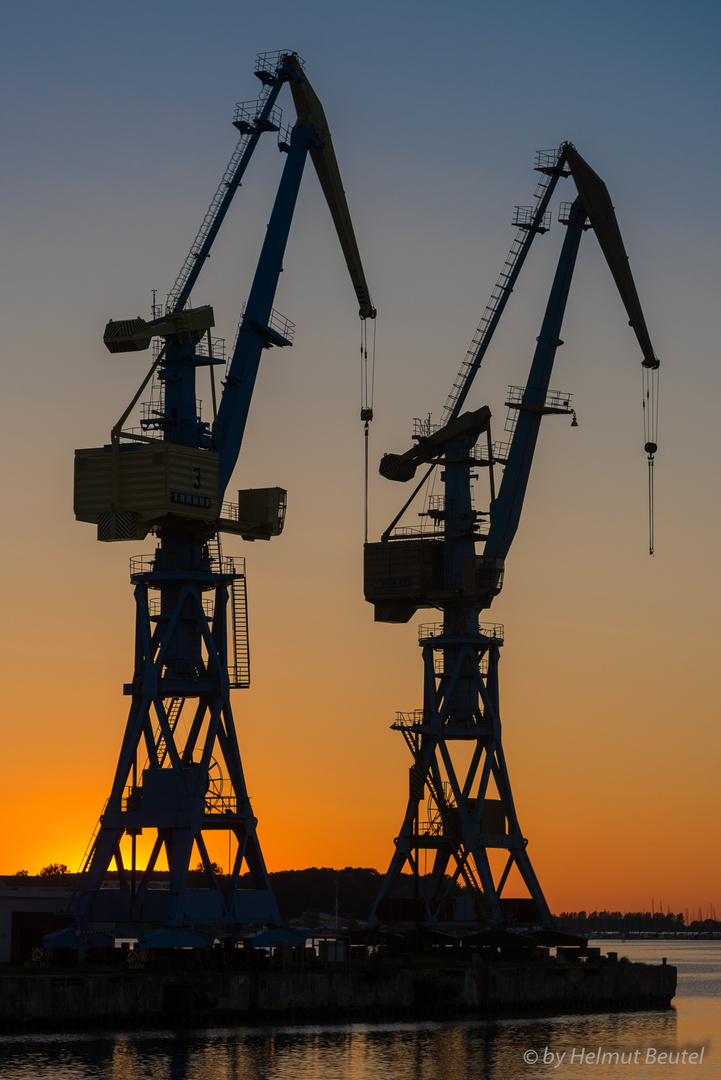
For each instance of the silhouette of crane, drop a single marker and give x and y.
(179, 776)
(460, 815)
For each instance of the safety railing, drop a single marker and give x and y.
(225, 566)
(479, 453)
(229, 511)
(155, 608)
(524, 216)
(281, 325)
(501, 450)
(547, 159)
(221, 804)
(270, 62)
(277, 323)
(153, 415)
(428, 632)
(141, 564)
(565, 214)
(247, 115)
(408, 719)
(439, 664)
(416, 532)
(217, 348)
(424, 428)
(544, 400)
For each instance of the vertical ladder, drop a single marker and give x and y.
(240, 673)
(253, 118)
(174, 711)
(215, 551)
(499, 296)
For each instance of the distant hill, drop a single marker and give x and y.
(314, 890)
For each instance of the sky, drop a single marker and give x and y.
(116, 129)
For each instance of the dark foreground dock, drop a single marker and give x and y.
(488, 987)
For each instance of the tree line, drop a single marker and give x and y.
(634, 922)
(311, 894)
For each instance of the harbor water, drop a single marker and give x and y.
(684, 1041)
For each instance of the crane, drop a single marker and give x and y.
(179, 777)
(460, 836)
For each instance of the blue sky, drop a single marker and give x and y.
(116, 128)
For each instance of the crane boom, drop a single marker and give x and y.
(310, 114)
(506, 509)
(592, 207)
(503, 288)
(594, 203)
(600, 212)
(250, 135)
(310, 135)
(255, 331)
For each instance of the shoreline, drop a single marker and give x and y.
(71, 998)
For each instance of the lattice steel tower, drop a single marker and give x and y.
(179, 776)
(460, 812)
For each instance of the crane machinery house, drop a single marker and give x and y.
(128, 488)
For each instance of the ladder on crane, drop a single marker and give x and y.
(251, 119)
(239, 670)
(174, 711)
(529, 220)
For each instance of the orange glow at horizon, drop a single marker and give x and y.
(608, 683)
(586, 718)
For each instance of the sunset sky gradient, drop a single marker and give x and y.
(116, 128)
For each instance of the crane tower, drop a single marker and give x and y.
(460, 836)
(179, 778)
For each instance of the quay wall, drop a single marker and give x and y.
(54, 999)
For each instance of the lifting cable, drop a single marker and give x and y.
(366, 412)
(650, 425)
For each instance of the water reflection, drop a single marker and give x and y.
(432, 1051)
(407, 1051)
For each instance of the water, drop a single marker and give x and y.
(566, 1047)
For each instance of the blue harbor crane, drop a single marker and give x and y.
(460, 837)
(179, 777)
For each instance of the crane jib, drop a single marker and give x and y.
(592, 208)
(601, 214)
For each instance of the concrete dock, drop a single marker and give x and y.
(78, 998)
